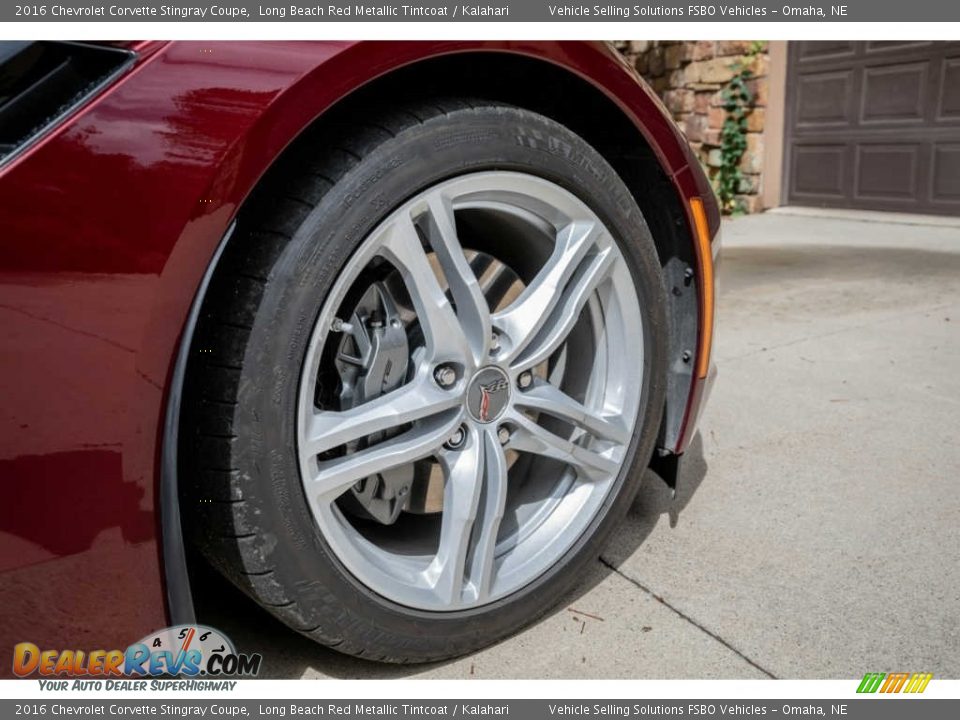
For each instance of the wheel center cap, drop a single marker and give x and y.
(488, 394)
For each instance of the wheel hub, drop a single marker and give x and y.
(488, 394)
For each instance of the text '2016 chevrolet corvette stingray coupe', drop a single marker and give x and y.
(385, 333)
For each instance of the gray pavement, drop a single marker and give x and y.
(816, 530)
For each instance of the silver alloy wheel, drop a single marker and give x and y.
(498, 530)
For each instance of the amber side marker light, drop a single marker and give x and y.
(706, 289)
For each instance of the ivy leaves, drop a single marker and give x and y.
(737, 102)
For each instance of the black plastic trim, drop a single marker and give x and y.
(180, 607)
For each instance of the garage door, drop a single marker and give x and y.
(874, 125)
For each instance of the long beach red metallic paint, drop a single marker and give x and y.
(108, 225)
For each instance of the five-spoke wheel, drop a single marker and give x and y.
(490, 379)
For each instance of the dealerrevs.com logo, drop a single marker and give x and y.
(182, 650)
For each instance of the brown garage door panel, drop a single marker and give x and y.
(887, 172)
(949, 101)
(818, 171)
(874, 125)
(946, 175)
(894, 93)
(824, 100)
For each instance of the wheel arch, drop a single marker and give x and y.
(581, 85)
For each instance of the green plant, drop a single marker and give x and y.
(738, 104)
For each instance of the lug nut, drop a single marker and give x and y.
(495, 343)
(457, 439)
(445, 376)
(503, 435)
(525, 380)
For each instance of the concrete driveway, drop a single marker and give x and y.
(816, 530)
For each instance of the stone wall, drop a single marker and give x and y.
(689, 76)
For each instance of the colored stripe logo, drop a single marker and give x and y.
(894, 682)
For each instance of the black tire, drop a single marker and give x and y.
(242, 497)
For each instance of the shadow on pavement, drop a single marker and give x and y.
(654, 502)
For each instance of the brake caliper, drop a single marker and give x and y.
(372, 359)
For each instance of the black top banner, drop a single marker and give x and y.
(494, 11)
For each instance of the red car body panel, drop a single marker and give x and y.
(107, 227)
